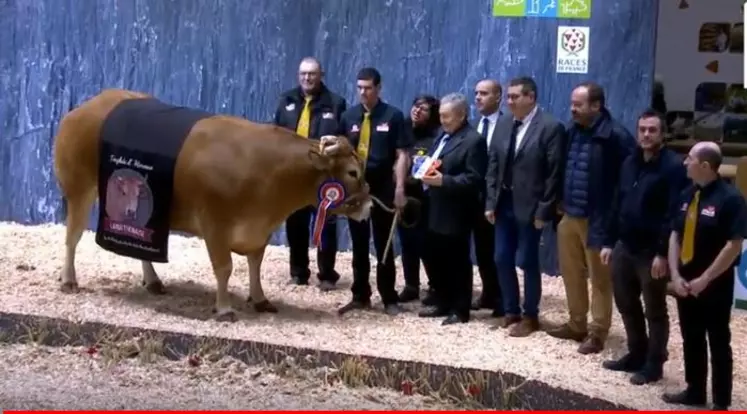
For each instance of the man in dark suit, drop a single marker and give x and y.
(312, 111)
(523, 182)
(453, 189)
(487, 101)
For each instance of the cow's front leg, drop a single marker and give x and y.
(220, 258)
(256, 293)
(151, 281)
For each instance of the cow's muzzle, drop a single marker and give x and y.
(358, 206)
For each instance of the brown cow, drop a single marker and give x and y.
(235, 182)
(122, 197)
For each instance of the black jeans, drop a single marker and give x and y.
(449, 266)
(483, 236)
(412, 242)
(297, 231)
(709, 315)
(631, 277)
(360, 234)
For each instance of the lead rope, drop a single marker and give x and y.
(391, 229)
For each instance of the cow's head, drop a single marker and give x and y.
(129, 191)
(339, 160)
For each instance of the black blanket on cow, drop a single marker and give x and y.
(140, 142)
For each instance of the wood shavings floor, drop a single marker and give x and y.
(35, 377)
(33, 255)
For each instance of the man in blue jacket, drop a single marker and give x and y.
(597, 146)
(651, 180)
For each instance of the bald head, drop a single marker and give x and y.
(488, 96)
(708, 152)
(703, 162)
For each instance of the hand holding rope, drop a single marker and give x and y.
(397, 219)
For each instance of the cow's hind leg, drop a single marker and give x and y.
(220, 258)
(78, 206)
(256, 293)
(151, 281)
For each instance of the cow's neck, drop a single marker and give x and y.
(304, 182)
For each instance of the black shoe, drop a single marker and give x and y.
(684, 398)
(433, 312)
(453, 319)
(628, 363)
(332, 277)
(647, 375)
(717, 407)
(481, 303)
(409, 294)
(295, 280)
(327, 286)
(354, 305)
(497, 314)
(393, 309)
(429, 299)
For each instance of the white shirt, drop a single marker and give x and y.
(428, 161)
(523, 128)
(492, 120)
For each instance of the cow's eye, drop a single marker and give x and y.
(353, 174)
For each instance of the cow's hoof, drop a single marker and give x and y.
(69, 287)
(226, 316)
(156, 288)
(265, 307)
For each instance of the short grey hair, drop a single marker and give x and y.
(457, 100)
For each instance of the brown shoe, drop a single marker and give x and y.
(526, 327)
(592, 345)
(504, 322)
(565, 332)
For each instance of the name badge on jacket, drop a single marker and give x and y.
(383, 127)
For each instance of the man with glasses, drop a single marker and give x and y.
(312, 110)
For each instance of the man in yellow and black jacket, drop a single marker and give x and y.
(312, 111)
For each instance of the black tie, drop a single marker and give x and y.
(485, 124)
(508, 172)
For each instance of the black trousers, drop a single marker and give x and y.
(412, 242)
(449, 266)
(483, 236)
(709, 315)
(297, 229)
(631, 279)
(360, 234)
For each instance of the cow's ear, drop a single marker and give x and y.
(320, 161)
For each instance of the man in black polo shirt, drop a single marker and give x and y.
(312, 111)
(651, 180)
(379, 133)
(704, 248)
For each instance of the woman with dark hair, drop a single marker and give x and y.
(424, 120)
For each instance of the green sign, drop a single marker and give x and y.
(553, 9)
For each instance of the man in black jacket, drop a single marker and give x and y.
(453, 194)
(651, 180)
(312, 111)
